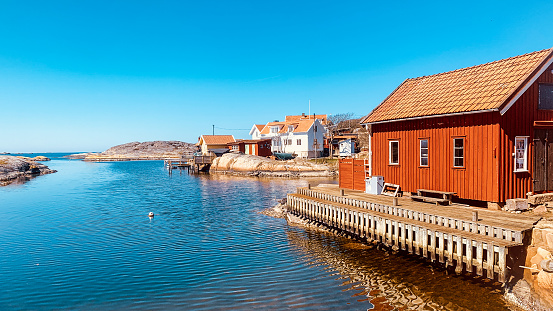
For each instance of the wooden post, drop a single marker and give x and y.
(489, 261)
(469, 255)
(308, 186)
(475, 216)
(409, 237)
(502, 277)
(441, 247)
(449, 250)
(479, 258)
(394, 201)
(432, 246)
(342, 192)
(424, 241)
(416, 240)
(459, 266)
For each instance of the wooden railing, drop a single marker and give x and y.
(203, 159)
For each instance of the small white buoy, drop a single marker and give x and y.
(151, 214)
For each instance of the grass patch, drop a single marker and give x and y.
(328, 161)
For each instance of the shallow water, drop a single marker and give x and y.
(81, 239)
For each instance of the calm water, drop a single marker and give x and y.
(81, 239)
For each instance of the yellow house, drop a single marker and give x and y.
(214, 142)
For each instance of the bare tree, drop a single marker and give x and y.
(337, 123)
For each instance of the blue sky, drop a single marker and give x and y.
(88, 75)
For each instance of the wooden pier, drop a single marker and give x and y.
(446, 234)
(191, 163)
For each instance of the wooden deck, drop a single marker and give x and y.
(446, 234)
(189, 162)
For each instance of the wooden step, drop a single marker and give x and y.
(430, 199)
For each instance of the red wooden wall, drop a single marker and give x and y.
(474, 181)
(519, 121)
(352, 174)
(489, 144)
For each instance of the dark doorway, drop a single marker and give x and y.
(543, 160)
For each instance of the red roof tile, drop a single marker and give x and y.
(217, 139)
(482, 87)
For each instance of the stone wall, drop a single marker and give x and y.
(539, 256)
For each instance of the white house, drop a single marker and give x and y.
(304, 137)
(255, 132)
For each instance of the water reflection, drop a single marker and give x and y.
(387, 281)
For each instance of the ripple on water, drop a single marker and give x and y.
(81, 239)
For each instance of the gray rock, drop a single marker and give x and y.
(16, 168)
(516, 205)
(542, 198)
(150, 150)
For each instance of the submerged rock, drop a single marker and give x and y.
(14, 169)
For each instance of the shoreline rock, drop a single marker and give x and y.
(138, 151)
(19, 169)
(251, 165)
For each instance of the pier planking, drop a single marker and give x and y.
(446, 233)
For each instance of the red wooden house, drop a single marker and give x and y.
(260, 147)
(483, 132)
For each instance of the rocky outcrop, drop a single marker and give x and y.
(250, 165)
(534, 291)
(15, 169)
(36, 159)
(150, 150)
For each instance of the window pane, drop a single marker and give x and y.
(424, 153)
(458, 161)
(424, 161)
(424, 143)
(394, 149)
(546, 96)
(458, 153)
(520, 154)
(458, 142)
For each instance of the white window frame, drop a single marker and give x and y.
(274, 129)
(390, 152)
(290, 128)
(427, 152)
(464, 153)
(298, 142)
(524, 140)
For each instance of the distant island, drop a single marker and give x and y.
(19, 169)
(150, 150)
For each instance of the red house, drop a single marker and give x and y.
(260, 147)
(483, 132)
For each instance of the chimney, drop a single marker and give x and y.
(303, 114)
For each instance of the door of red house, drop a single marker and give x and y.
(543, 160)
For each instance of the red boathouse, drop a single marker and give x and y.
(483, 132)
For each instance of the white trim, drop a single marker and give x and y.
(463, 157)
(526, 86)
(435, 116)
(525, 164)
(390, 152)
(427, 152)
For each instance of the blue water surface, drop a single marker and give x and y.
(81, 239)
